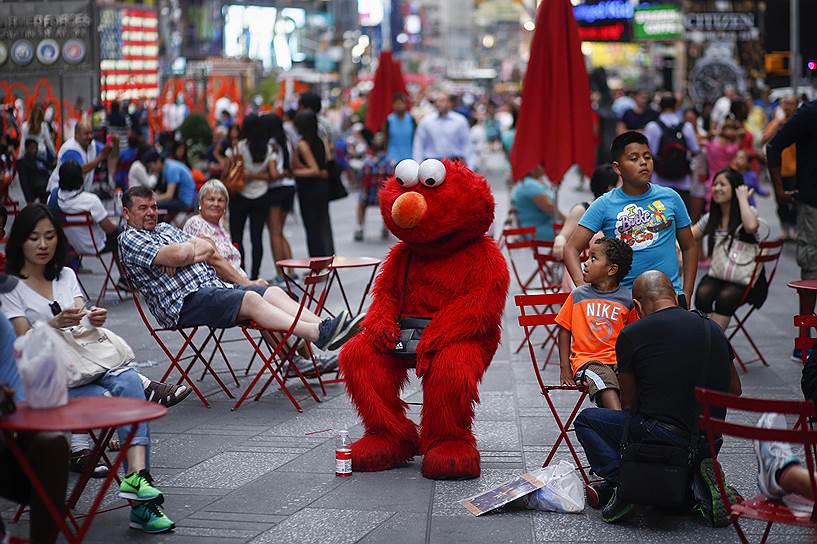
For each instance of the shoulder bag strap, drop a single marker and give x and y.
(693, 437)
(405, 286)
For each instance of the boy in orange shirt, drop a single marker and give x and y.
(591, 318)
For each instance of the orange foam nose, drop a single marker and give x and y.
(408, 210)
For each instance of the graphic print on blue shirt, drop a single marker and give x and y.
(647, 223)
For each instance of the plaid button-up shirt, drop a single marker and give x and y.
(164, 293)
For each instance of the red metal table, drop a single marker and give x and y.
(79, 415)
(338, 263)
(803, 288)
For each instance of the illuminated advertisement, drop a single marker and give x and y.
(604, 20)
(662, 22)
(129, 53)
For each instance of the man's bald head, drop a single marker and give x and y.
(83, 134)
(653, 291)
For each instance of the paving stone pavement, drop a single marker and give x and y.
(257, 475)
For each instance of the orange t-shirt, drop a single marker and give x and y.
(594, 319)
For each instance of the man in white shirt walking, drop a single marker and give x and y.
(81, 149)
(443, 135)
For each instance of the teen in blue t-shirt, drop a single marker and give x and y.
(648, 217)
(534, 203)
(180, 180)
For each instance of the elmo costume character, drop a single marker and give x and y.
(452, 273)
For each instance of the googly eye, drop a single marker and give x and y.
(431, 173)
(406, 173)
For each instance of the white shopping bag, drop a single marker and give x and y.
(563, 490)
(43, 366)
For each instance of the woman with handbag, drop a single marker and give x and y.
(730, 226)
(50, 292)
(309, 166)
(252, 201)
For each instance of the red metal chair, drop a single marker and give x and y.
(759, 508)
(522, 243)
(176, 359)
(12, 206)
(509, 223)
(769, 253)
(528, 321)
(275, 354)
(804, 342)
(83, 220)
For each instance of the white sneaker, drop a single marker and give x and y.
(772, 457)
(325, 362)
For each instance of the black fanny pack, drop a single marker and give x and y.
(411, 327)
(655, 473)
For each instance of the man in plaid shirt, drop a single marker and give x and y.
(179, 277)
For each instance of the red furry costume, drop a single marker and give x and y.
(459, 278)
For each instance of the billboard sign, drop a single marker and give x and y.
(660, 22)
(37, 35)
(604, 20)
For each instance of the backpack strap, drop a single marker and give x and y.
(405, 286)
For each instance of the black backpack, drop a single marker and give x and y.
(672, 162)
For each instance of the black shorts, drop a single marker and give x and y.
(281, 197)
(215, 307)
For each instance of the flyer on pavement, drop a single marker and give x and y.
(503, 493)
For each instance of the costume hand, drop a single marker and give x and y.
(97, 316)
(383, 334)
(566, 377)
(423, 363)
(743, 192)
(69, 317)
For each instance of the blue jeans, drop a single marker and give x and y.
(8, 365)
(600, 431)
(126, 384)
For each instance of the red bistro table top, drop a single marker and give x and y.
(337, 262)
(805, 285)
(82, 414)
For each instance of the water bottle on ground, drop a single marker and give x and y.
(343, 454)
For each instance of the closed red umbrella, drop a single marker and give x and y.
(388, 81)
(554, 126)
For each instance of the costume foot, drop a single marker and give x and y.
(451, 460)
(381, 452)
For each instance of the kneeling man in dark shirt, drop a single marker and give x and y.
(659, 364)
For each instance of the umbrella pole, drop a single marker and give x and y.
(386, 25)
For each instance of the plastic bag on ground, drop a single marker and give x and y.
(42, 366)
(563, 490)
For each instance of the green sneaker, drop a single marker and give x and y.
(148, 517)
(708, 500)
(616, 509)
(139, 487)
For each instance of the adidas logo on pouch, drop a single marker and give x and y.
(399, 345)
